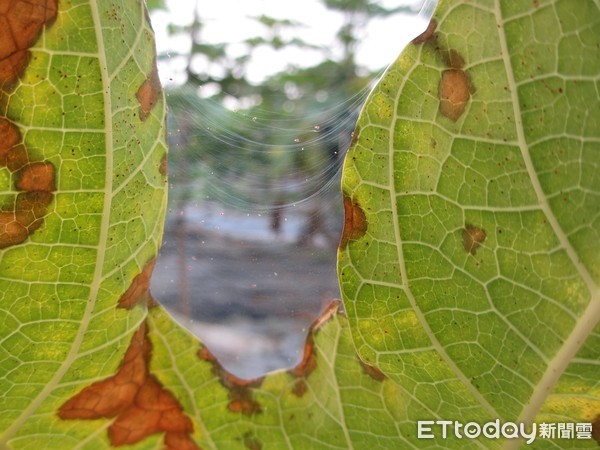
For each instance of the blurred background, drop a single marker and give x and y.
(263, 96)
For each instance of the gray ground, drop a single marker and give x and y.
(250, 300)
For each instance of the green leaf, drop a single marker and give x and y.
(83, 199)
(470, 260)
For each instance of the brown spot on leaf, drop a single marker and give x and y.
(36, 180)
(454, 93)
(20, 24)
(17, 158)
(13, 153)
(153, 410)
(449, 56)
(242, 402)
(179, 441)
(372, 371)
(140, 405)
(454, 60)
(31, 208)
(309, 358)
(300, 388)
(355, 222)
(26, 216)
(427, 34)
(13, 65)
(36, 177)
(149, 93)
(473, 237)
(12, 232)
(241, 399)
(138, 292)
(9, 137)
(110, 397)
(163, 167)
(206, 355)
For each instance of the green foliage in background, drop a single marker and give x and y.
(469, 261)
(284, 130)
